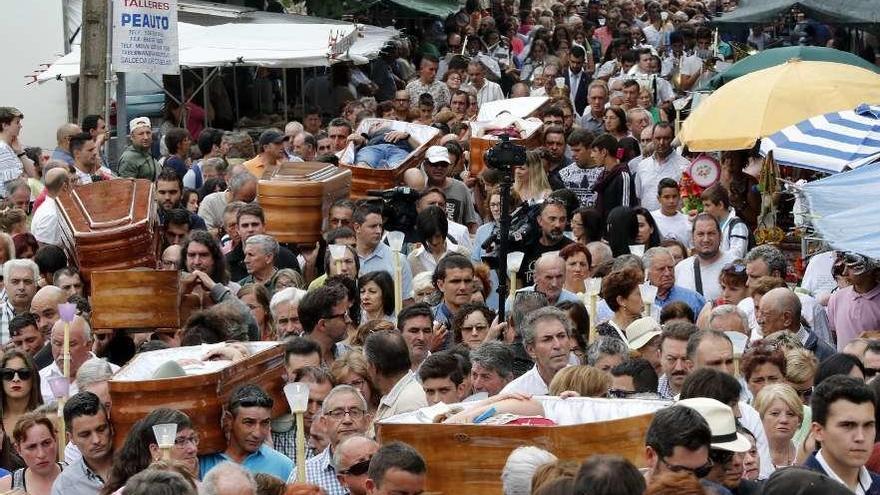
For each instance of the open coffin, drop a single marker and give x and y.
(366, 178)
(489, 115)
(296, 197)
(110, 225)
(469, 458)
(201, 394)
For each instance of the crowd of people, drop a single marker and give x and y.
(765, 379)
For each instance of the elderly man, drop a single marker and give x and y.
(389, 366)
(660, 268)
(63, 135)
(487, 91)
(637, 120)
(729, 318)
(597, 96)
(136, 161)
(545, 335)
(550, 279)
(241, 187)
(305, 147)
(491, 367)
(700, 272)
(80, 352)
(250, 221)
(780, 311)
(246, 423)
(20, 278)
(284, 308)
(351, 462)
(228, 478)
(260, 252)
(665, 162)
(344, 414)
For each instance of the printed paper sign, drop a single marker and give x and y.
(145, 36)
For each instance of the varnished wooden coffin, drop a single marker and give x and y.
(530, 106)
(365, 178)
(296, 197)
(469, 458)
(201, 397)
(135, 299)
(110, 225)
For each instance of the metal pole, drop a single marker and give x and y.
(302, 94)
(109, 80)
(284, 82)
(204, 96)
(235, 92)
(121, 115)
(183, 102)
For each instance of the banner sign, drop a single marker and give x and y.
(145, 36)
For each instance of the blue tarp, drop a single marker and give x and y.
(845, 209)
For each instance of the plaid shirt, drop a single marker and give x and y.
(664, 390)
(320, 471)
(285, 442)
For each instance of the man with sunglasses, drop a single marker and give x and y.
(344, 414)
(351, 462)
(246, 423)
(678, 440)
(323, 313)
(856, 308)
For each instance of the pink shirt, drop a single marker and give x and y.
(851, 313)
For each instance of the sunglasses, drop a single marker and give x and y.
(737, 268)
(357, 469)
(719, 456)
(700, 472)
(8, 374)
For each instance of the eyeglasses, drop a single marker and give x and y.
(343, 315)
(616, 393)
(180, 442)
(339, 414)
(700, 472)
(8, 374)
(358, 468)
(436, 164)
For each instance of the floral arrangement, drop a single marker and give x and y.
(690, 194)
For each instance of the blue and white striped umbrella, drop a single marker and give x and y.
(830, 142)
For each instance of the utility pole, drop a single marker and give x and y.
(93, 59)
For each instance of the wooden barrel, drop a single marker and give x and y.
(469, 458)
(296, 197)
(201, 397)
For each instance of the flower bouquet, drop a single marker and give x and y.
(690, 192)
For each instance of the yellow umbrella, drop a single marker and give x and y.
(758, 104)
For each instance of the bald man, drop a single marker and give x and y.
(780, 311)
(351, 461)
(62, 152)
(550, 279)
(46, 224)
(80, 352)
(44, 306)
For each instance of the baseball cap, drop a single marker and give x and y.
(139, 122)
(641, 331)
(437, 154)
(722, 423)
(272, 136)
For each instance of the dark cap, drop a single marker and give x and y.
(272, 136)
(802, 481)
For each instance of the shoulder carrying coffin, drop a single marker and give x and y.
(110, 225)
(296, 197)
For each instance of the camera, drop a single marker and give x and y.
(524, 232)
(399, 209)
(505, 155)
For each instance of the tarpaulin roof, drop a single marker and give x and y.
(855, 12)
(437, 8)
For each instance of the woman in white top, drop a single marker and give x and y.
(782, 414)
(530, 182)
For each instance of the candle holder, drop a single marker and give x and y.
(637, 249)
(67, 311)
(395, 241)
(514, 262)
(593, 286)
(297, 395)
(165, 434)
(60, 387)
(648, 293)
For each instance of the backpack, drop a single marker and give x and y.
(736, 221)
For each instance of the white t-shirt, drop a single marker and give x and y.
(684, 275)
(676, 227)
(735, 235)
(817, 277)
(45, 225)
(650, 173)
(529, 383)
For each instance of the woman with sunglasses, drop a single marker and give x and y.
(34, 437)
(21, 387)
(140, 448)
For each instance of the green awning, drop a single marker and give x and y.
(436, 8)
(850, 12)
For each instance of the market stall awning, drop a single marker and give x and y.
(852, 12)
(271, 45)
(845, 209)
(437, 8)
(829, 142)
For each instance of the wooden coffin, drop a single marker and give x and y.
(135, 299)
(201, 397)
(364, 179)
(110, 225)
(469, 458)
(529, 106)
(296, 197)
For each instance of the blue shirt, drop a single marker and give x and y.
(266, 460)
(382, 258)
(687, 296)
(64, 156)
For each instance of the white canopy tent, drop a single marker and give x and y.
(282, 45)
